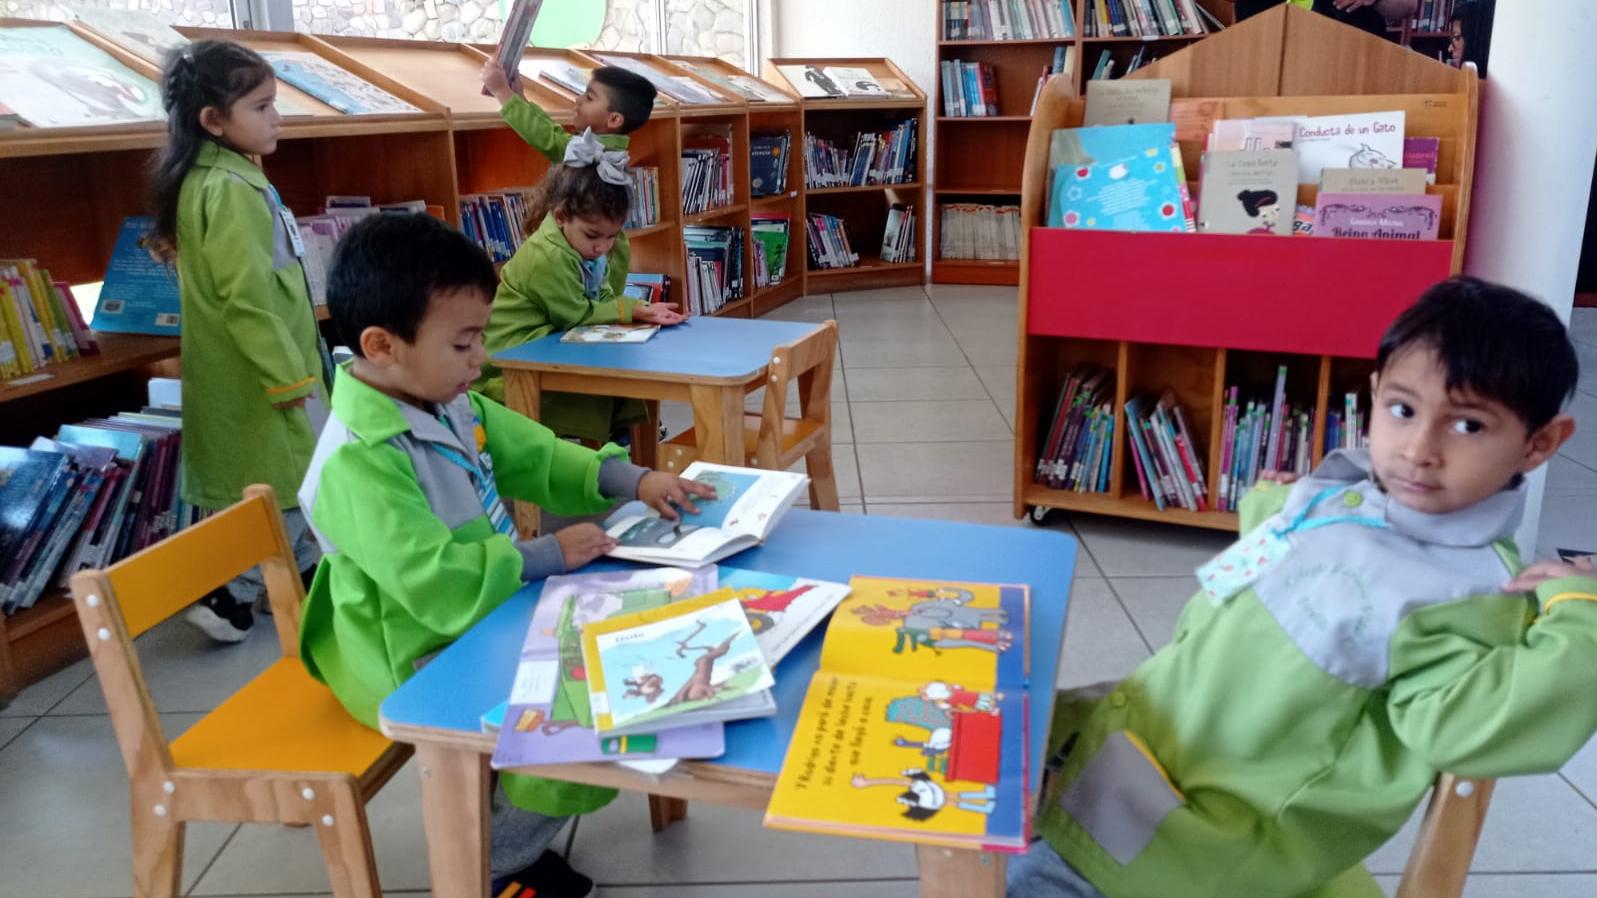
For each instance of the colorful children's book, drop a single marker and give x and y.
(914, 727)
(812, 82)
(140, 294)
(1422, 153)
(338, 88)
(549, 713)
(782, 609)
(855, 81)
(692, 660)
(1248, 192)
(1138, 193)
(52, 78)
(747, 505)
(1351, 140)
(1386, 216)
(610, 333)
(517, 34)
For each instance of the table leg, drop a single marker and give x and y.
(718, 422)
(524, 394)
(454, 807)
(959, 873)
(665, 810)
(646, 437)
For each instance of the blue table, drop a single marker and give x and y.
(707, 362)
(439, 709)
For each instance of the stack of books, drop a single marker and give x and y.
(1078, 451)
(1348, 428)
(1275, 434)
(643, 190)
(898, 237)
(970, 89)
(706, 172)
(1064, 63)
(770, 233)
(828, 243)
(40, 323)
(1002, 20)
(495, 221)
(96, 493)
(1145, 18)
(1164, 454)
(768, 163)
(715, 267)
(979, 231)
(885, 157)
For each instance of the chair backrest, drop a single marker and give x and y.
(1438, 865)
(809, 361)
(119, 603)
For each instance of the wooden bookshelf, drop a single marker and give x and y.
(979, 158)
(863, 209)
(1181, 324)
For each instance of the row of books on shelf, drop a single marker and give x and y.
(1433, 15)
(97, 492)
(40, 323)
(643, 188)
(1063, 63)
(715, 267)
(1108, 67)
(706, 172)
(1146, 18)
(979, 231)
(898, 237)
(768, 155)
(495, 221)
(1165, 457)
(970, 89)
(1348, 428)
(880, 157)
(1002, 20)
(1259, 435)
(828, 243)
(770, 236)
(1080, 439)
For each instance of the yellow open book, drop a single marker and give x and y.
(914, 727)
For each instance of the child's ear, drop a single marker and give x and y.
(1545, 442)
(212, 119)
(377, 345)
(613, 121)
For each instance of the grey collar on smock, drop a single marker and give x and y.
(1481, 524)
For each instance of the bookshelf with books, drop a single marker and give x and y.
(1291, 343)
(1020, 44)
(863, 164)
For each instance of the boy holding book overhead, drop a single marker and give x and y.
(1372, 628)
(404, 491)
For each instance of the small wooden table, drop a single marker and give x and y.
(710, 363)
(439, 710)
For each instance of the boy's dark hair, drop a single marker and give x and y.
(578, 192)
(1493, 341)
(630, 94)
(205, 73)
(387, 268)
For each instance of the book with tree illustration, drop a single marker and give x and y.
(686, 662)
(747, 505)
(914, 726)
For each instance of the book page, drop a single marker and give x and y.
(782, 609)
(746, 500)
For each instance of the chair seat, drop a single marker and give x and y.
(281, 720)
(794, 432)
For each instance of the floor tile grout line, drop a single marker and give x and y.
(1591, 800)
(859, 474)
(1126, 610)
(18, 734)
(1575, 461)
(214, 858)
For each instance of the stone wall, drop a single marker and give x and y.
(206, 13)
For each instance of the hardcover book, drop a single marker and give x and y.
(1385, 216)
(338, 88)
(52, 78)
(1248, 192)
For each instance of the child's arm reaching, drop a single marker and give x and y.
(527, 119)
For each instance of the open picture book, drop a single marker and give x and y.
(747, 505)
(914, 728)
(610, 333)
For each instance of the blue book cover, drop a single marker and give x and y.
(140, 293)
(1139, 193)
(25, 479)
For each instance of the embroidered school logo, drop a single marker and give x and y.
(481, 436)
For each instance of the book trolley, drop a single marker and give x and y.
(1193, 313)
(67, 191)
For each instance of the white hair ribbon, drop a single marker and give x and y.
(585, 150)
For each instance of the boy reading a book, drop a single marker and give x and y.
(616, 103)
(404, 493)
(1372, 627)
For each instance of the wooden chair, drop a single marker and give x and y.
(280, 750)
(774, 441)
(1438, 865)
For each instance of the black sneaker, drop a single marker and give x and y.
(548, 877)
(221, 618)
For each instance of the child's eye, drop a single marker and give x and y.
(1468, 425)
(463, 348)
(1400, 410)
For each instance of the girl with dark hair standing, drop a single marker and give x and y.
(252, 356)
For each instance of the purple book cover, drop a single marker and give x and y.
(1384, 216)
(1422, 152)
(548, 719)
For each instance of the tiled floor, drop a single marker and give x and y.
(924, 408)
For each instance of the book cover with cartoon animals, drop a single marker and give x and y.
(1353, 140)
(914, 729)
(658, 667)
(549, 718)
(53, 78)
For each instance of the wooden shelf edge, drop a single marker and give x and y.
(1097, 503)
(118, 353)
(862, 188)
(984, 119)
(976, 191)
(736, 305)
(865, 266)
(51, 607)
(995, 42)
(715, 214)
(646, 230)
(1150, 39)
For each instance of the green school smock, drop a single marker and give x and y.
(398, 584)
(541, 133)
(249, 337)
(540, 293)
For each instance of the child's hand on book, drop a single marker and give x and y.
(661, 313)
(582, 543)
(663, 492)
(1542, 571)
(497, 83)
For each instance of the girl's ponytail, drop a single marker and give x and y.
(205, 73)
(592, 182)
